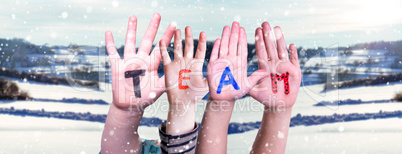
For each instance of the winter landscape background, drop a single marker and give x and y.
(55, 87)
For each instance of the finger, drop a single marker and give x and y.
(202, 46)
(224, 42)
(189, 47)
(205, 81)
(269, 41)
(234, 39)
(260, 49)
(165, 55)
(294, 59)
(166, 38)
(178, 49)
(281, 45)
(215, 49)
(111, 48)
(256, 76)
(129, 46)
(149, 36)
(161, 86)
(168, 35)
(242, 49)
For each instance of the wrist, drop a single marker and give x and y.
(276, 105)
(220, 105)
(129, 108)
(278, 113)
(181, 108)
(277, 109)
(181, 118)
(122, 117)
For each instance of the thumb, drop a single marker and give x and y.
(257, 76)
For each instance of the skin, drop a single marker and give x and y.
(212, 137)
(181, 115)
(274, 58)
(125, 113)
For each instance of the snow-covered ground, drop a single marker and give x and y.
(370, 136)
(38, 135)
(372, 63)
(246, 110)
(49, 135)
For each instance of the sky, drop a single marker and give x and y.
(307, 23)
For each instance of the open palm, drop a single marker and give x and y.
(233, 55)
(274, 59)
(150, 86)
(192, 86)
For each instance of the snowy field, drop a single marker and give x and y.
(49, 135)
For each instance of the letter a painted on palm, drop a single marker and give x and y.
(230, 80)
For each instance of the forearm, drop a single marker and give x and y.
(212, 137)
(181, 118)
(120, 132)
(273, 132)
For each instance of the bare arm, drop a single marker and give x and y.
(120, 133)
(227, 81)
(278, 92)
(273, 133)
(185, 82)
(212, 137)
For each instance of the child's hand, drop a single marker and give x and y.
(121, 126)
(138, 65)
(275, 60)
(184, 80)
(232, 54)
(278, 92)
